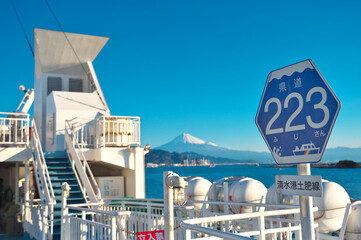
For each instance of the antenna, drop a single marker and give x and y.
(22, 27)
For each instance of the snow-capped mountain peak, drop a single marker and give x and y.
(187, 138)
(186, 143)
(212, 144)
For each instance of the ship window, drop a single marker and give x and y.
(75, 85)
(54, 84)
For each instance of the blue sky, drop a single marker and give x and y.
(197, 66)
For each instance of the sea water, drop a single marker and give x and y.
(348, 178)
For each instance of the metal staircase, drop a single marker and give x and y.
(60, 170)
(51, 170)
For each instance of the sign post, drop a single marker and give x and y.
(297, 112)
(306, 204)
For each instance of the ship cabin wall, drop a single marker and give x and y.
(134, 175)
(67, 80)
(81, 108)
(71, 79)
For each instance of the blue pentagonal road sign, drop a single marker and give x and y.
(297, 112)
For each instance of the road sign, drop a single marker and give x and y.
(151, 235)
(296, 114)
(301, 185)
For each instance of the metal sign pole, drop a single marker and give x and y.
(306, 205)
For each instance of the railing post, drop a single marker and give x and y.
(149, 212)
(188, 234)
(45, 221)
(65, 228)
(40, 220)
(192, 234)
(51, 218)
(168, 209)
(261, 226)
(226, 206)
(28, 124)
(26, 195)
(103, 142)
(83, 226)
(123, 226)
(138, 131)
(114, 227)
(17, 183)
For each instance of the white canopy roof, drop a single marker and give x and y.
(53, 51)
(77, 101)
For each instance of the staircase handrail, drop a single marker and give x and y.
(82, 167)
(41, 167)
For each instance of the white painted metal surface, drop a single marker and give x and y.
(36, 222)
(310, 185)
(50, 59)
(87, 181)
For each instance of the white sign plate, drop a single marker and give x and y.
(302, 185)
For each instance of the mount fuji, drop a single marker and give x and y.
(186, 143)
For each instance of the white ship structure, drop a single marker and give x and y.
(75, 171)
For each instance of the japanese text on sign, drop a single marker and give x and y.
(151, 235)
(299, 185)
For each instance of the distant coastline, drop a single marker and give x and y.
(339, 164)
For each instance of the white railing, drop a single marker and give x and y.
(274, 224)
(147, 215)
(263, 221)
(111, 131)
(36, 220)
(101, 220)
(45, 187)
(80, 165)
(118, 131)
(103, 224)
(14, 128)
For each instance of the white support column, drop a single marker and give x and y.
(306, 204)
